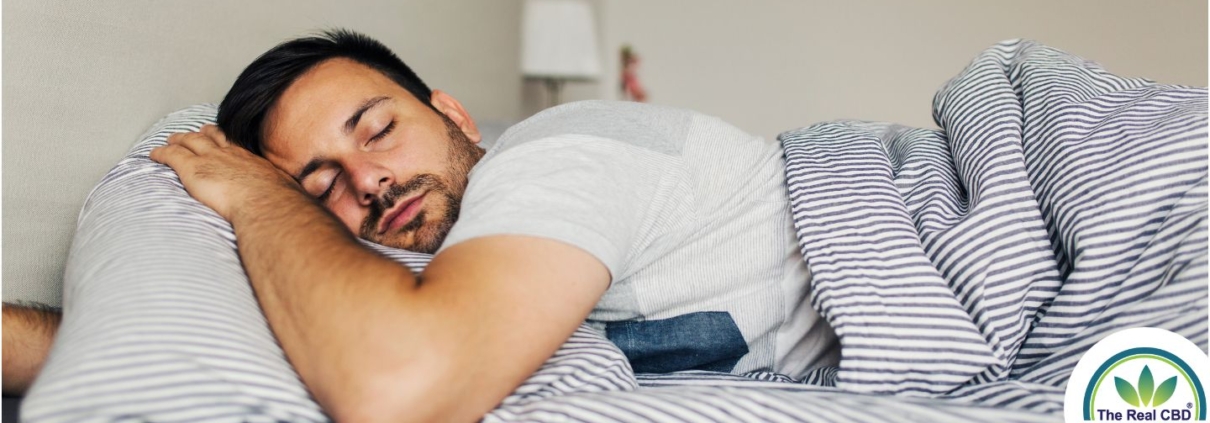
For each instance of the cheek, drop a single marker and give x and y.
(349, 213)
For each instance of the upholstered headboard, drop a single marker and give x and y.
(82, 81)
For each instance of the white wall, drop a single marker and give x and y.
(773, 65)
(83, 79)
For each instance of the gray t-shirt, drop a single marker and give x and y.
(688, 213)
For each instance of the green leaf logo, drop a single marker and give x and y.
(1146, 386)
(1126, 391)
(1147, 393)
(1164, 392)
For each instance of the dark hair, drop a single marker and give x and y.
(241, 115)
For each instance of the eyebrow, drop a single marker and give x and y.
(350, 125)
(310, 168)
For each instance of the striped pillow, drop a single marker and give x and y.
(161, 324)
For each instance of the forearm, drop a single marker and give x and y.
(346, 317)
(339, 310)
(28, 334)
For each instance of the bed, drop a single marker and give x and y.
(1057, 204)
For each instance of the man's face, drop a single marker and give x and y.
(388, 166)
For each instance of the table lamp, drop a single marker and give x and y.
(558, 43)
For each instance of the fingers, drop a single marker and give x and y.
(196, 142)
(216, 134)
(173, 155)
(207, 138)
(182, 147)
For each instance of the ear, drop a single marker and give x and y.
(450, 106)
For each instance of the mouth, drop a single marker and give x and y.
(401, 214)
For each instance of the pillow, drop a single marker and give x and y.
(160, 323)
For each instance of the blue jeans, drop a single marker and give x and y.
(708, 340)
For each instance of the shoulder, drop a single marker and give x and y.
(569, 162)
(657, 128)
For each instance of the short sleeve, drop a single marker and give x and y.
(594, 193)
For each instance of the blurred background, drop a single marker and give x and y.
(82, 80)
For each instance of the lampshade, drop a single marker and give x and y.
(559, 40)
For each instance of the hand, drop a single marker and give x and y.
(221, 175)
(29, 331)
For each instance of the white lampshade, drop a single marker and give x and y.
(559, 40)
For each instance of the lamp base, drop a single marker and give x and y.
(555, 88)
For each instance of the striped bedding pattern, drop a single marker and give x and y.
(1057, 204)
(965, 270)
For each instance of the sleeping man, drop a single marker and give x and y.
(668, 230)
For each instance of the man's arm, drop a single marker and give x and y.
(28, 333)
(370, 340)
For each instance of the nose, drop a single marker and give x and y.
(369, 181)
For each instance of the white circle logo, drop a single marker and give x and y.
(1139, 374)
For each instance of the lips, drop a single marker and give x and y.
(402, 213)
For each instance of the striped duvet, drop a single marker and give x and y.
(965, 270)
(1057, 204)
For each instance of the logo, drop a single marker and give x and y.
(1139, 374)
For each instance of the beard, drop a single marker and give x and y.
(420, 234)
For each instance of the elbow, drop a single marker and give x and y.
(375, 410)
(413, 394)
(365, 410)
(382, 398)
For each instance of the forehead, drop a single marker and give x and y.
(314, 108)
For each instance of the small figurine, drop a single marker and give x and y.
(631, 89)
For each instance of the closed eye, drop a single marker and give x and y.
(385, 131)
(324, 197)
